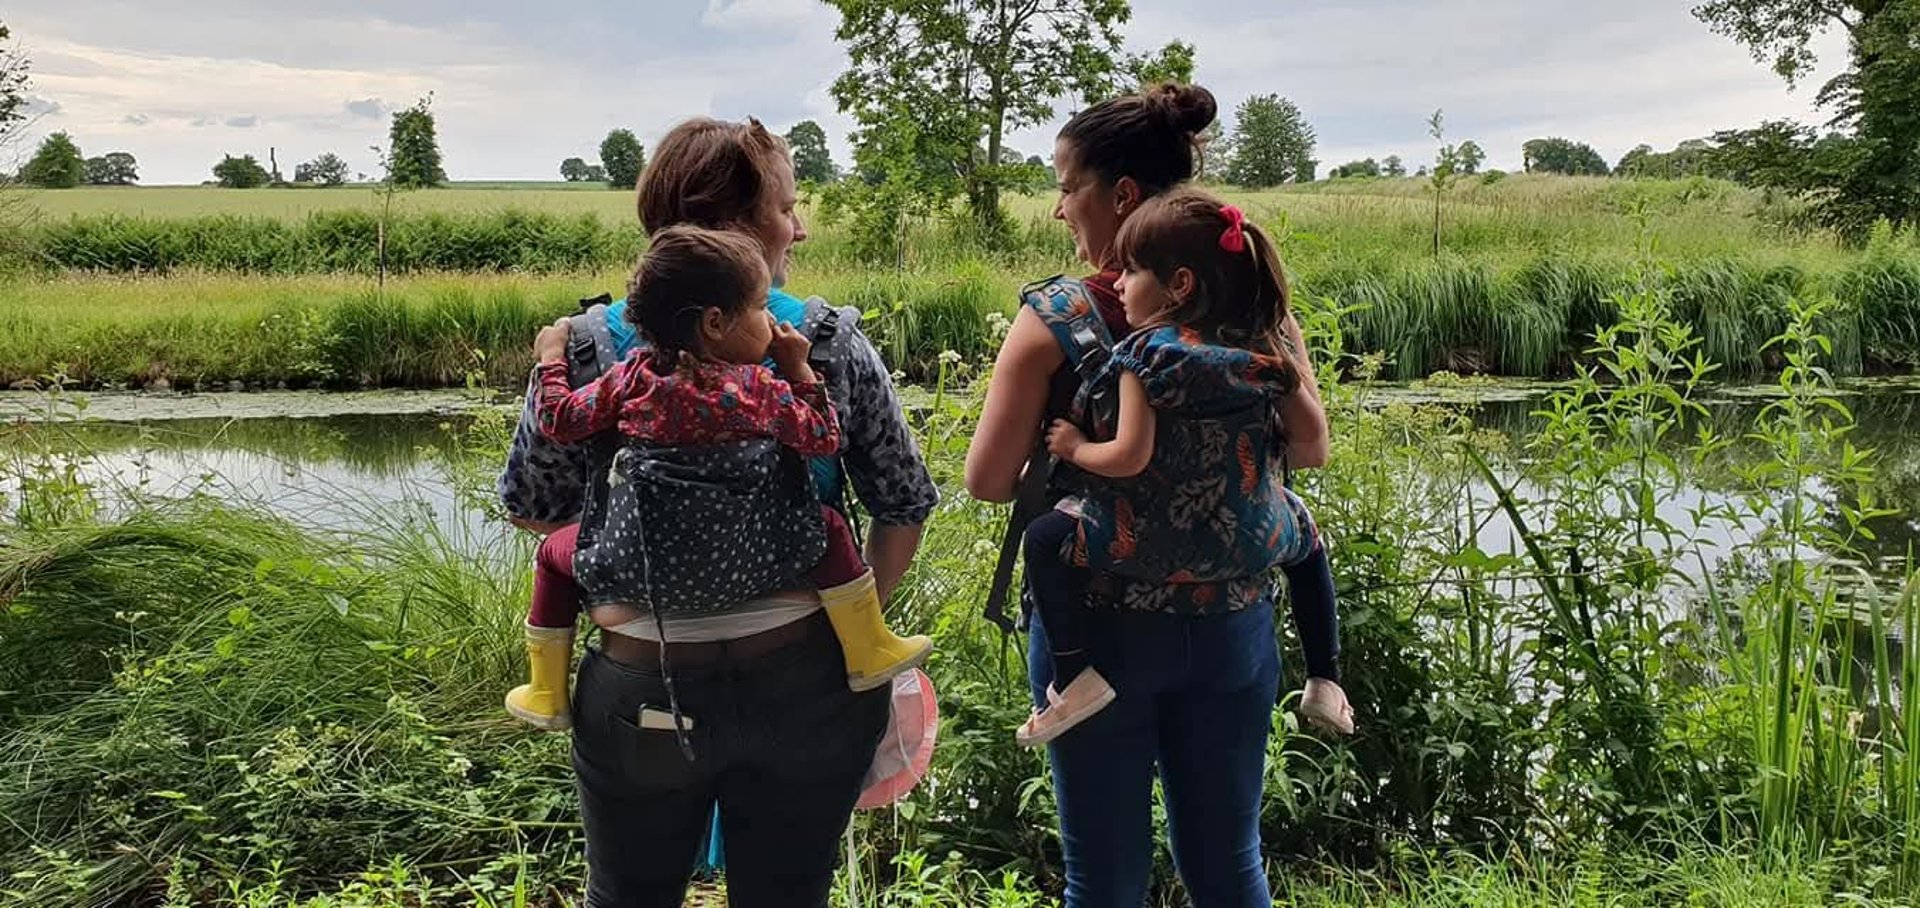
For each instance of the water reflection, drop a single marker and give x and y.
(330, 470)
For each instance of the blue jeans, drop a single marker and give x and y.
(1196, 701)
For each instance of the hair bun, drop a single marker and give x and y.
(1188, 108)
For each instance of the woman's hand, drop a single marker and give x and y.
(551, 344)
(1064, 439)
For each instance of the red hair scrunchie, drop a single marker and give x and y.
(1234, 239)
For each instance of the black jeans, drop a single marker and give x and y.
(778, 740)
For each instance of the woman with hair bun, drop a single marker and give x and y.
(1195, 664)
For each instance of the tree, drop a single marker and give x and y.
(116, 169)
(596, 173)
(928, 82)
(1272, 143)
(1564, 156)
(13, 86)
(1692, 158)
(574, 170)
(241, 173)
(326, 170)
(623, 157)
(1469, 156)
(812, 160)
(1636, 163)
(1446, 167)
(1393, 167)
(1876, 97)
(413, 154)
(56, 165)
(1363, 168)
(1173, 63)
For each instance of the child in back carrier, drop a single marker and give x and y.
(699, 298)
(1192, 493)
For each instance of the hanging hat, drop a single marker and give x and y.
(906, 750)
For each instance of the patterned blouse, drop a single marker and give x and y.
(699, 403)
(546, 482)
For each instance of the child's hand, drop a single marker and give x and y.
(1063, 439)
(789, 349)
(551, 344)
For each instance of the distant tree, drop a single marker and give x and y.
(596, 173)
(13, 86)
(1272, 143)
(1446, 170)
(1636, 163)
(623, 157)
(115, 169)
(1692, 158)
(1564, 156)
(1873, 171)
(1363, 168)
(1469, 156)
(927, 82)
(413, 156)
(574, 170)
(1393, 166)
(57, 165)
(326, 170)
(1216, 153)
(1173, 63)
(812, 160)
(241, 173)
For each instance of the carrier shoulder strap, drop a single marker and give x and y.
(1067, 309)
(590, 350)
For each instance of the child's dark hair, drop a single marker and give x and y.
(684, 272)
(1240, 291)
(1152, 136)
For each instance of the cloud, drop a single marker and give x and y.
(750, 15)
(247, 122)
(37, 106)
(517, 89)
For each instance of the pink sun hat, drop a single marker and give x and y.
(906, 750)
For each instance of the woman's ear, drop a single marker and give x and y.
(1126, 196)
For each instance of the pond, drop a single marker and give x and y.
(333, 460)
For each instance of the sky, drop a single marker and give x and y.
(517, 87)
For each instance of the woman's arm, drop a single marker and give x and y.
(883, 464)
(1132, 446)
(1016, 402)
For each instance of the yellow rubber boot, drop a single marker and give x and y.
(543, 702)
(874, 655)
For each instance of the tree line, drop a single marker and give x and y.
(934, 90)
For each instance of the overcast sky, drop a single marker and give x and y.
(519, 86)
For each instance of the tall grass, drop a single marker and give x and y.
(335, 241)
(1550, 655)
(1459, 313)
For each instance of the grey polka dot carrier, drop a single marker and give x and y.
(698, 529)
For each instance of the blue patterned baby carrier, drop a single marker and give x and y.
(1179, 548)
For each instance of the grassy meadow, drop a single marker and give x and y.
(210, 703)
(126, 286)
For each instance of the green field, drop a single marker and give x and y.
(129, 285)
(193, 201)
